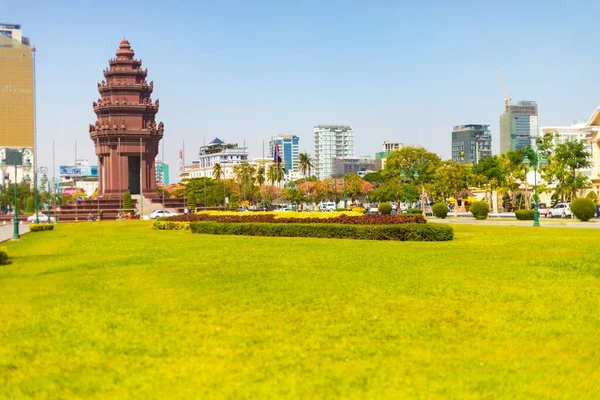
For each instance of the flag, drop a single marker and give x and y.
(276, 154)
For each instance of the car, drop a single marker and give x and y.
(562, 210)
(162, 213)
(41, 218)
(242, 209)
(543, 209)
(327, 206)
(597, 213)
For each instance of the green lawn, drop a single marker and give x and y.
(115, 309)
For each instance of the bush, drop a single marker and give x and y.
(4, 258)
(385, 208)
(592, 196)
(127, 205)
(583, 208)
(524, 215)
(440, 210)
(29, 206)
(359, 210)
(41, 227)
(171, 225)
(416, 211)
(480, 209)
(404, 232)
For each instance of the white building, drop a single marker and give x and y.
(331, 141)
(576, 131)
(391, 146)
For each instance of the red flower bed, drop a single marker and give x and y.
(341, 219)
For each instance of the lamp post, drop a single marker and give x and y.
(26, 164)
(36, 171)
(407, 175)
(535, 164)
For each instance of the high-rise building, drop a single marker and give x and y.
(16, 95)
(227, 155)
(471, 143)
(331, 141)
(162, 172)
(288, 150)
(518, 126)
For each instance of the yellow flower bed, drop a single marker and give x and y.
(284, 214)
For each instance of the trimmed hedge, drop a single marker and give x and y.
(416, 211)
(270, 218)
(41, 227)
(480, 209)
(583, 208)
(524, 215)
(440, 210)
(4, 258)
(171, 225)
(403, 232)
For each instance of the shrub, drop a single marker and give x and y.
(171, 225)
(416, 211)
(480, 209)
(583, 208)
(524, 215)
(385, 208)
(359, 210)
(29, 206)
(4, 258)
(127, 205)
(592, 196)
(41, 227)
(413, 232)
(440, 210)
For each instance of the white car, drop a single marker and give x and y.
(162, 213)
(561, 210)
(41, 218)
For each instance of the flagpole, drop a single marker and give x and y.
(205, 177)
(119, 171)
(141, 182)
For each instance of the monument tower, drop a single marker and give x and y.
(125, 135)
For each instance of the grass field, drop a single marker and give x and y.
(115, 309)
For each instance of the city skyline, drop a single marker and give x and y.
(392, 72)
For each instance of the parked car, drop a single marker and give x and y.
(543, 209)
(327, 206)
(597, 213)
(562, 210)
(162, 213)
(41, 218)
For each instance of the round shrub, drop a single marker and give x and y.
(583, 208)
(385, 208)
(480, 209)
(29, 206)
(4, 258)
(592, 196)
(524, 215)
(440, 210)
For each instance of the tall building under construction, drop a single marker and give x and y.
(16, 91)
(518, 125)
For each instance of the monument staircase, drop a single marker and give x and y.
(80, 210)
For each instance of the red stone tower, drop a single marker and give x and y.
(125, 134)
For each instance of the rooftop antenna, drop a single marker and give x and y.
(507, 97)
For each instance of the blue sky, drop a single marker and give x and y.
(240, 70)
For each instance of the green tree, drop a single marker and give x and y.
(126, 203)
(217, 171)
(422, 161)
(30, 206)
(191, 201)
(244, 176)
(566, 161)
(260, 175)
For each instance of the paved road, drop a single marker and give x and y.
(544, 222)
(6, 231)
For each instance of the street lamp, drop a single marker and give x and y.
(535, 163)
(25, 159)
(407, 175)
(36, 171)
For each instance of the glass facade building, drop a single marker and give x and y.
(471, 143)
(332, 141)
(16, 89)
(162, 172)
(288, 150)
(518, 126)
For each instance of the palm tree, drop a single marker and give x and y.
(305, 163)
(260, 175)
(217, 171)
(272, 174)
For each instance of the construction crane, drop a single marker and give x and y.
(507, 97)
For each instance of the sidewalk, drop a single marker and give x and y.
(6, 231)
(594, 223)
